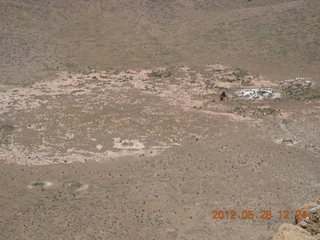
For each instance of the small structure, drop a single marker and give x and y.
(222, 96)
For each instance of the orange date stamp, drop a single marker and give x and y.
(261, 214)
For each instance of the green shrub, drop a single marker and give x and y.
(160, 74)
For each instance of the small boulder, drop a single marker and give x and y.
(292, 232)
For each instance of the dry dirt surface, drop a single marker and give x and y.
(111, 126)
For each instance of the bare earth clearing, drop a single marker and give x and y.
(157, 151)
(111, 126)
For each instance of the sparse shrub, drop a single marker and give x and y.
(5, 133)
(239, 74)
(209, 84)
(38, 184)
(245, 82)
(290, 141)
(70, 65)
(160, 74)
(222, 88)
(228, 80)
(301, 94)
(49, 68)
(240, 109)
(85, 71)
(264, 111)
(75, 185)
(112, 71)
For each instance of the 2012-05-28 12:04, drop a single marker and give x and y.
(262, 214)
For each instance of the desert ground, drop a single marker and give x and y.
(111, 125)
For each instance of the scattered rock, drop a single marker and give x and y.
(312, 222)
(297, 82)
(303, 224)
(311, 205)
(258, 94)
(307, 225)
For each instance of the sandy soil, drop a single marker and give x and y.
(111, 125)
(126, 154)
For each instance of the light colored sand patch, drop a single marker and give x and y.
(69, 136)
(14, 153)
(219, 107)
(21, 155)
(95, 84)
(261, 82)
(224, 84)
(127, 144)
(134, 153)
(218, 67)
(231, 116)
(186, 89)
(184, 69)
(5, 87)
(36, 128)
(263, 106)
(99, 147)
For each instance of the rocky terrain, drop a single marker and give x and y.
(112, 127)
(307, 227)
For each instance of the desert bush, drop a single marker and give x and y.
(5, 133)
(264, 111)
(230, 80)
(239, 74)
(160, 74)
(301, 94)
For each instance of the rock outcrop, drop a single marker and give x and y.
(312, 222)
(292, 232)
(304, 229)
